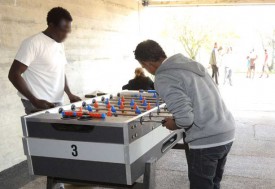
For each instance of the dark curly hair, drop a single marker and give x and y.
(149, 50)
(56, 14)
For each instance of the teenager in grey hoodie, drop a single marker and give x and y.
(197, 106)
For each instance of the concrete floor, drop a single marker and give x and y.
(251, 163)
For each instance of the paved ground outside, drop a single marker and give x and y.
(251, 163)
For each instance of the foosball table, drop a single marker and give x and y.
(107, 139)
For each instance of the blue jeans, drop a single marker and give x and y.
(29, 108)
(206, 166)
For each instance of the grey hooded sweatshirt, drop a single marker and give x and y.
(195, 102)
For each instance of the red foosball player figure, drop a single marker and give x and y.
(109, 113)
(96, 105)
(135, 106)
(109, 105)
(121, 106)
(149, 106)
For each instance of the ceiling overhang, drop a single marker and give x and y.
(205, 2)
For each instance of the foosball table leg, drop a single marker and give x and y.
(51, 183)
(149, 180)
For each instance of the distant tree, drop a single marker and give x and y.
(193, 40)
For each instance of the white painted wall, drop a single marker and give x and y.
(99, 51)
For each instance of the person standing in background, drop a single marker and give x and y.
(219, 58)
(213, 63)
(227, 61)
(253, 58)
(248, 72)
(265, 69)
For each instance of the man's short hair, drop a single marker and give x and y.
(56, 14)
(149, 50)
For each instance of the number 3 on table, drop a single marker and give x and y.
(74, 152)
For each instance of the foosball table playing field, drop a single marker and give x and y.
(111, 139)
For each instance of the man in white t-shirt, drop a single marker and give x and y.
(38, 70)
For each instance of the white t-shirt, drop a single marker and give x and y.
(227, 60)
(45, 75)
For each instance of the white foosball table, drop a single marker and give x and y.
(111, 139)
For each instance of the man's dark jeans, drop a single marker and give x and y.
(215, 73)
(206, 166)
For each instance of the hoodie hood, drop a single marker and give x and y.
(178, 61)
